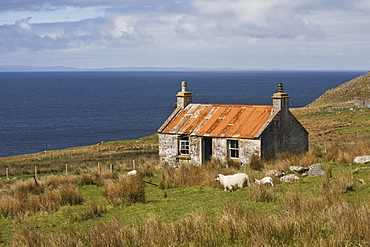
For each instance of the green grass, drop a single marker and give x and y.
(172, 205)
(176, 205)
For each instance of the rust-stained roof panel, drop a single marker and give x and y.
(216, 120)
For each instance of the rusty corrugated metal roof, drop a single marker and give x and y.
(216, 120)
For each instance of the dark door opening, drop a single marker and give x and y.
(207, 149)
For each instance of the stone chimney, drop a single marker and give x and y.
(280, 100)
(184, 97)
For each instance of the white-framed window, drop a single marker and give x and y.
(233, 148)
(184, 145)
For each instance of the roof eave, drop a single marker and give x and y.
(169, 119)
(266, 124)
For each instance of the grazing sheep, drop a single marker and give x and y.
(265, 180)
(133, 172)
(289, 178)
(275, 173)
(230, 182)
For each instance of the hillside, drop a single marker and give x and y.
(346, 93)
(95, 202)
(83, 196)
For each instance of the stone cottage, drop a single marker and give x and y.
(196, 132)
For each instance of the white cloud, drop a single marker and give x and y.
(204, 33)
(23, 24)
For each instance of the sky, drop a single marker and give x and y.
(237, 34)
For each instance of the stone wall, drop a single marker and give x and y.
(195, 149)
(168, 150)
(283, 134)
(248, 148)
(219, 149)
(168, 146)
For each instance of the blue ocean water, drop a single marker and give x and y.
(52, 110)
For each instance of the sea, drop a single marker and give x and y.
(41, 111)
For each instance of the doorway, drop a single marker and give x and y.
(207, 149)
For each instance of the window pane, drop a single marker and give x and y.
(184, 145)
(233, 144)
(233, 149)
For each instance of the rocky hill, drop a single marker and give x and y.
(345, 94)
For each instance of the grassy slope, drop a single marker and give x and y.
(345, 94)
(181, 202)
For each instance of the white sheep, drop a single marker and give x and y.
(275, 173)
(289, 178)
(265, 180)
(133, 172)
(230, 182)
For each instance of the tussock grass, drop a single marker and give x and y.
(146, 170)
(190, 175)
(18, 204)
(320, 220)
(285, 160)
(256, 163)
(90, 211)
(345, 153)
(345, 181)
(125, 190)
(321, 216)
(261, 193)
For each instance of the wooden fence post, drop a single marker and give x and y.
(7, 173)
(66, 169)
(35, 171)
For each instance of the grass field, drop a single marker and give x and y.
(77, 200)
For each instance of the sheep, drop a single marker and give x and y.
(265, 180)
(133, 172)
(275, 173)
(230, 182)
(289, 178)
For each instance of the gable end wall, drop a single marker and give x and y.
(283, 134)
(168, 146)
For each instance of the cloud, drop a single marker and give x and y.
(254, 19)
(84, 34)
(199, 31)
